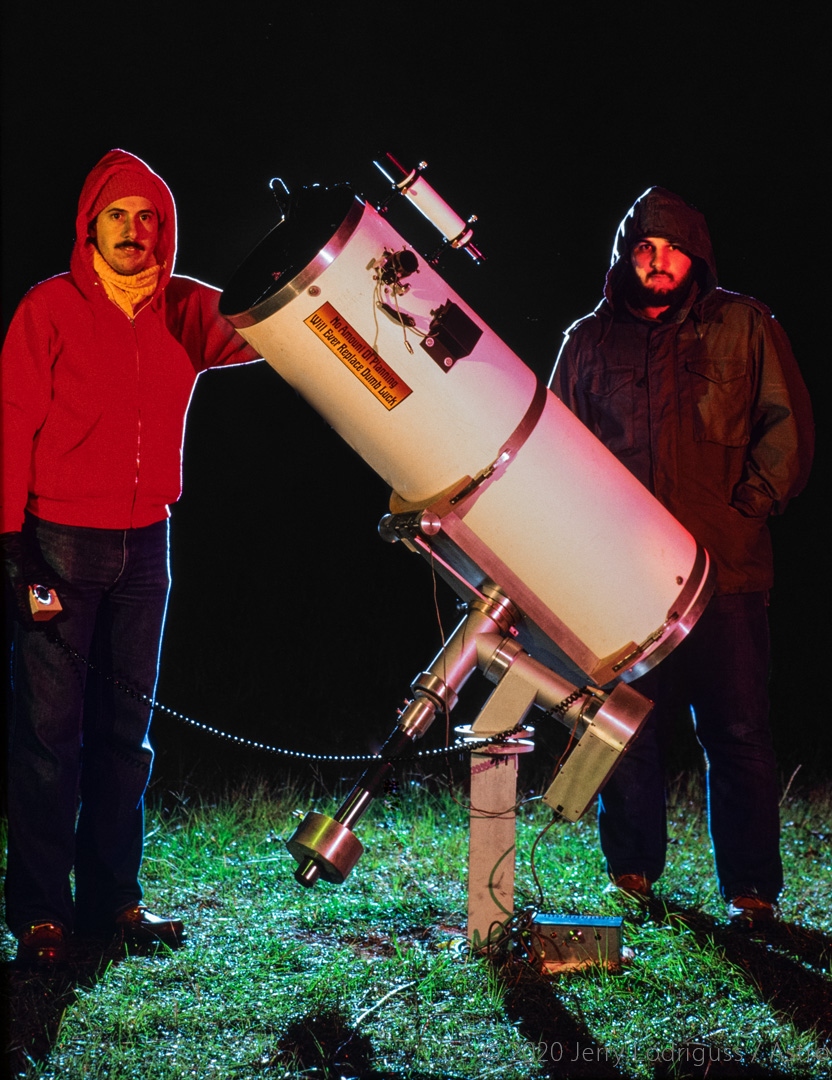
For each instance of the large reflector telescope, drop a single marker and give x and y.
(489, 471)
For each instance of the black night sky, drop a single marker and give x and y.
(290, 620)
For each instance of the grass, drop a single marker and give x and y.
(368, 979)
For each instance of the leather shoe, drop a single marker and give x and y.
(138, 926)
(42, 943)
(632, 886)
(750, 912)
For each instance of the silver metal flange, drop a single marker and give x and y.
(519, 742)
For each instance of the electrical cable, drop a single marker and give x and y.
(458, 747)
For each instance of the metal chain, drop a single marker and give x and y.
(562, 707)
(459, 746)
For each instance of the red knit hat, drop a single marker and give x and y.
(124, 184)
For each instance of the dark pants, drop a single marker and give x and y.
(75, 736)
(720, 675)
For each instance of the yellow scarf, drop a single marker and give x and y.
(126, 290)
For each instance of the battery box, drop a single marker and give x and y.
(567, 942)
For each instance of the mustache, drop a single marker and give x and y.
(130, 244)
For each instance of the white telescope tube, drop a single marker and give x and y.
(437, 404)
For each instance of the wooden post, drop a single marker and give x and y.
(491, 842)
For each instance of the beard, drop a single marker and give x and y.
(671, 293)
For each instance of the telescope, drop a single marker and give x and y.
(574, 578)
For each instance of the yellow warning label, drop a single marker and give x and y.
(353, 351)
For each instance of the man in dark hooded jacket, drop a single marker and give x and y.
(97, 372)
(697, 392)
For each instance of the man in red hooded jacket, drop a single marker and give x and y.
(97, 372)
(695, 389)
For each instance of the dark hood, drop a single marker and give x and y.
(659, 212)
(112, 163)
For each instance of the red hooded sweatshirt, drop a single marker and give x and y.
(94, 401)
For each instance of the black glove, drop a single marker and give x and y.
(24, 568)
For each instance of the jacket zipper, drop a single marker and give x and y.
(138, 421)
(132, 320)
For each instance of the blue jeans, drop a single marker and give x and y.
(75, 737)
(720, 675)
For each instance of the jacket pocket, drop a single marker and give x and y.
(720, 397)
(611, 405)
